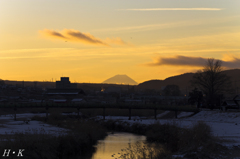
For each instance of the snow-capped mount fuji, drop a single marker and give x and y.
(120, 79)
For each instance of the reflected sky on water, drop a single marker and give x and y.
(113, 144)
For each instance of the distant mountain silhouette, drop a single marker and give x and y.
(120, 79)
(184, 81)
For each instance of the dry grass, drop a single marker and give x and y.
(141, 150)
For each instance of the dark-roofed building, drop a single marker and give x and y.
(232, 104)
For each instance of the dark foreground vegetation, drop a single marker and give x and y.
(164, 140)
(76, 143)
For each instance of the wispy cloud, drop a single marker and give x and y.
(158, 26)
(77, 36)
(191, 61)
(174, 9)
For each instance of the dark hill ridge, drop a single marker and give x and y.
(183, 81)
(120, 79)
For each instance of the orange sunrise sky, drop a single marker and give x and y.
(93, 40)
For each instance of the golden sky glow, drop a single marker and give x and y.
(90, 41)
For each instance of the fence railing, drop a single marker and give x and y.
(78, 106)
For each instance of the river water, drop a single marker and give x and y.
(113, 143)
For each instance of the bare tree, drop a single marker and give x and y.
(212, 81)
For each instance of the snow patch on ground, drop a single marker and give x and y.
(9, 126)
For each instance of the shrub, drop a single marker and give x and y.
(166, 134)
(141, 150)
(198, 136)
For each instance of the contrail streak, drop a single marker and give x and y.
(175, 9)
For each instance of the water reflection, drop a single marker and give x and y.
(113, 144)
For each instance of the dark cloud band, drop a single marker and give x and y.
(191, 61)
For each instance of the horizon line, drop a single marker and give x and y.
(82, 82)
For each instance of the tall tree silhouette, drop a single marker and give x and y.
(212, 81)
